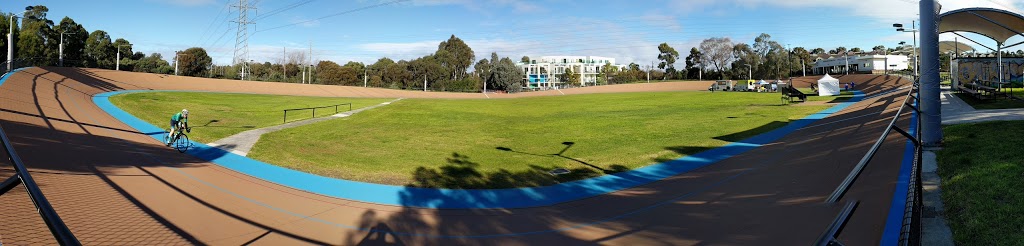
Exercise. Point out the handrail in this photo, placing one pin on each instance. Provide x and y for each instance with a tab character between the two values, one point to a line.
53	221
829	236
285	118
839	191
910	230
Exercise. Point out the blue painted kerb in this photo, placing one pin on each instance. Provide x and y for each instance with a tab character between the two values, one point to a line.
458	198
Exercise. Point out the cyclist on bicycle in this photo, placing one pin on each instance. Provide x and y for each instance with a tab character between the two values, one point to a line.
178	121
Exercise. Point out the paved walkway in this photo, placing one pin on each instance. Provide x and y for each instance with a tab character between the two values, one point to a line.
242	142
956	111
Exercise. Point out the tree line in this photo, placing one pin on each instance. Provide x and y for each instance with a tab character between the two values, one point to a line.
39	38
720	58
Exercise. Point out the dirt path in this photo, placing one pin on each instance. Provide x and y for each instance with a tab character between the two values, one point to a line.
113	185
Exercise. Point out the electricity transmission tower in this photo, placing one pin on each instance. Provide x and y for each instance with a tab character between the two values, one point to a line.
242	38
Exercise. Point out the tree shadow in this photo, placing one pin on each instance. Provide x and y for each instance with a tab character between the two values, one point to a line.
736	137
460	172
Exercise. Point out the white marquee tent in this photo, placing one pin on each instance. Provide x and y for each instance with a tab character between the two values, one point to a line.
828	86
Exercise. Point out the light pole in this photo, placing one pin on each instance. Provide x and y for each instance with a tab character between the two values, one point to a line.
61	54
913	26
10	40
116	67
176	62
748	72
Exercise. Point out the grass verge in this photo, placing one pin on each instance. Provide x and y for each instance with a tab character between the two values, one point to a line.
514	142
217	115
982	166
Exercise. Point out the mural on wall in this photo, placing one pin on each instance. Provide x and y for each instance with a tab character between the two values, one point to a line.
984	68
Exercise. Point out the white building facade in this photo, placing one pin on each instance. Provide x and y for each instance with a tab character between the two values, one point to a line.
546	72
863	63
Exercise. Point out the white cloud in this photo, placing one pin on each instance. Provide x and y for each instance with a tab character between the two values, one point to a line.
880	10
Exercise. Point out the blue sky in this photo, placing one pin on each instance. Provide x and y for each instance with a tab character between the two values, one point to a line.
630	31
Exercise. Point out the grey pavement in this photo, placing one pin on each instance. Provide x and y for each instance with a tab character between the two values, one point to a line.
956	111
934	230
242	142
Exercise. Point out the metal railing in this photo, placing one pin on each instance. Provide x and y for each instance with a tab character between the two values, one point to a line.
285	118
53	221
910	231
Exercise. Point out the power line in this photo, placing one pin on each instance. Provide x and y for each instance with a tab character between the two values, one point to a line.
336	14
227	8
282	9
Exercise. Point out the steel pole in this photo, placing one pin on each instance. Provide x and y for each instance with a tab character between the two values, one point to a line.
10	45
930	103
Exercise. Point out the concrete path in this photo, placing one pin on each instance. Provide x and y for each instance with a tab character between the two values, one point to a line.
956	111
934	229
242	142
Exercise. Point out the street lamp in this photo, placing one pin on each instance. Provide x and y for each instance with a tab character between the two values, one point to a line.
61	54
748	71
118	66
10	39
913	26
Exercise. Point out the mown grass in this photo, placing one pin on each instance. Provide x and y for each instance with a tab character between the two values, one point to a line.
217	115
514	142
982	166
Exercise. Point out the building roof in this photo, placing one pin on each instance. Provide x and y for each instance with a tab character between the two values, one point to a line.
996	24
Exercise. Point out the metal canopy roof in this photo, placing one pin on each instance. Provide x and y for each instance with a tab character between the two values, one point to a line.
996	24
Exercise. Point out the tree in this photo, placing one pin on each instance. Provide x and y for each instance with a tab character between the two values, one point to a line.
525	59
879	48
330	73
194	62
570	77
668	57
505	75
838	50
856	50
693	62
376	71
124	48
802	56
151	64
717	52
482	69
74	41
744	55
35	32
455	56
99	50
817	51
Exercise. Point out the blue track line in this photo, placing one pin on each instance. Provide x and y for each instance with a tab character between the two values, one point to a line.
463	199
897	209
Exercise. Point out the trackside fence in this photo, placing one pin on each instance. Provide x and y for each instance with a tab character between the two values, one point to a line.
284	119
910	231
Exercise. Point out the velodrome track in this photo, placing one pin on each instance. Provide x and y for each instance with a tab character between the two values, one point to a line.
114	185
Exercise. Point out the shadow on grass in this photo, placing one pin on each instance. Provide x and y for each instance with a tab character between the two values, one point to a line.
736	137
461	172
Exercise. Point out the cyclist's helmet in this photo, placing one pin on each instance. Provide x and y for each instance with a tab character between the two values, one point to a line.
184	112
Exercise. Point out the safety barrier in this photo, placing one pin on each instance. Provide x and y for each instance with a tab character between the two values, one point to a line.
285	118
910	231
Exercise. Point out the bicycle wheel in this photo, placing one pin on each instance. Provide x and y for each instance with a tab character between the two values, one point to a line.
167	137
182	143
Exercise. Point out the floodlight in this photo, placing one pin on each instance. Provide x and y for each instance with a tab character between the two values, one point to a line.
897	25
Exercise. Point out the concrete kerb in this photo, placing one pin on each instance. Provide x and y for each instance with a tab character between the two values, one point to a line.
463	199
